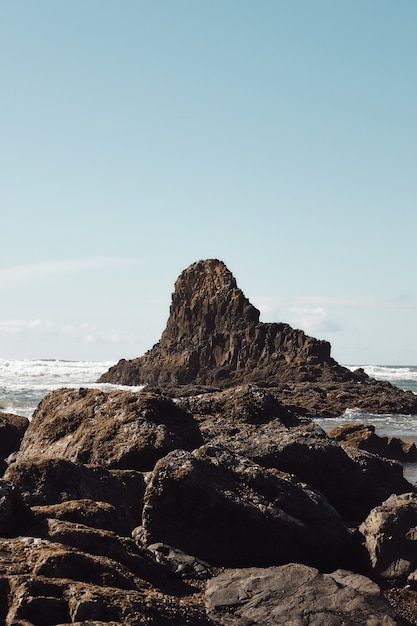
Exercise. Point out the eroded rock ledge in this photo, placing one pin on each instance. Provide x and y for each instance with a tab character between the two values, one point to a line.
214	338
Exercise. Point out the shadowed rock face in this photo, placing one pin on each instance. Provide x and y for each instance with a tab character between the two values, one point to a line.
213	336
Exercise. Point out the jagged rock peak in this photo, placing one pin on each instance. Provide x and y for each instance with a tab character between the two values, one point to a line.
206	301
213	337
211	275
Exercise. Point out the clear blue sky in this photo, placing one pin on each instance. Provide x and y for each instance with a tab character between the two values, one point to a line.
140	136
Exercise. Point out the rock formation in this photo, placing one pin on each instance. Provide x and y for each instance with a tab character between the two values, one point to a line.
171	498
214	338
364	437
307	596
172	507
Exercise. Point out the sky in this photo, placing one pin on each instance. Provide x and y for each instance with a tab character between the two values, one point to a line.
139	136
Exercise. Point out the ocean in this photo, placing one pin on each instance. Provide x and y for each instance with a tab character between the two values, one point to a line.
24	383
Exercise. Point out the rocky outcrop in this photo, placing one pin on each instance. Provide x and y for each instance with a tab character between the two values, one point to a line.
255	516
117	430
47	582
57	481
390	532
213	337
251	422
167	494
364	437
296	594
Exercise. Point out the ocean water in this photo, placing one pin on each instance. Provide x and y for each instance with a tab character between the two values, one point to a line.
23	384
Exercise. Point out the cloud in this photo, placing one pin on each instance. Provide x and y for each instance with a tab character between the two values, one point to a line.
314	320
84	333
39	271
275	305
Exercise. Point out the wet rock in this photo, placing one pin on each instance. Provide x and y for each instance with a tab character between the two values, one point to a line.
363	436
298	595
229	511
391	538
119	430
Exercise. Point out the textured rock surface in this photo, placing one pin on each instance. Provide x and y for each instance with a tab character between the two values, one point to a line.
12	429
89	544
117	430
390	532
213	337
250	421
296	595
48	583
363	436
51	481
229	511
15	515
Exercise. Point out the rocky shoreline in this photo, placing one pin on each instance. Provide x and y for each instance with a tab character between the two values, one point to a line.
218	509
210	498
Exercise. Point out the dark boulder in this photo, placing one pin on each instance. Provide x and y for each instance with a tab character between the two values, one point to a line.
12	429
229	511
15	515
251	422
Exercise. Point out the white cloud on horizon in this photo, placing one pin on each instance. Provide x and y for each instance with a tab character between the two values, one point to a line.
40	271
85	333
313	320
268	305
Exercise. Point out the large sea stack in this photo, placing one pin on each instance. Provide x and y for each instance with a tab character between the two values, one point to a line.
214	338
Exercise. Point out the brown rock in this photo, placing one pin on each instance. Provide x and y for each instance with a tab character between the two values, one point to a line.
102	515
15	515
298	595
250	421
391	538
12	429
48	583
213	337
229	511
363	436
119	429
51	481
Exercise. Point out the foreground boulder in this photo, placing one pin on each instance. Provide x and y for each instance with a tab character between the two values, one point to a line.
391	538
250	421
229	511
119	430
364	437
213	337
48	583
296	594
